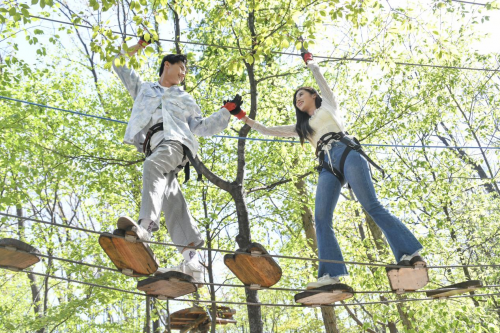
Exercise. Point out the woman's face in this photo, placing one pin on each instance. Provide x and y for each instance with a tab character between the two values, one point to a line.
305	101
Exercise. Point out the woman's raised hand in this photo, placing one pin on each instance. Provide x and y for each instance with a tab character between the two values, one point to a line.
307	56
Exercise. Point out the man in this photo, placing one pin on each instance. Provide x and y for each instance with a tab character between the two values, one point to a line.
163	123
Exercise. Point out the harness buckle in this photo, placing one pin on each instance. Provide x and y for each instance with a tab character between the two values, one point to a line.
337	136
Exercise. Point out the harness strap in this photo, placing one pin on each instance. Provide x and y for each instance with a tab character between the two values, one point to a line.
332	169
191	160
146	148
351	144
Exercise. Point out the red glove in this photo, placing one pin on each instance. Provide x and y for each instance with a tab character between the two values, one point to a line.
234	107
143	42
306	56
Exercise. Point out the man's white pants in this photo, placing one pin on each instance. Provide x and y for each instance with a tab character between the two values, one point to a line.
161	191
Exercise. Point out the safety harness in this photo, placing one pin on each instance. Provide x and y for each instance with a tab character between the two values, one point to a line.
324	144
146	148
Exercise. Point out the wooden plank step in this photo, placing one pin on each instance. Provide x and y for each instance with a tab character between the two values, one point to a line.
254	269
132	259
168	285
197	319
16	255
455	289
325	295
223	311
407	279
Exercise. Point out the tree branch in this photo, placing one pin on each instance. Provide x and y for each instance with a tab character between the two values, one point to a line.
273	185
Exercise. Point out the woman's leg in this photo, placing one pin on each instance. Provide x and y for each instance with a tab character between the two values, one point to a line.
400	238
327	195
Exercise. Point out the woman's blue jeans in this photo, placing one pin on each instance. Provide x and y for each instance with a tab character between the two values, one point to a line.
357	174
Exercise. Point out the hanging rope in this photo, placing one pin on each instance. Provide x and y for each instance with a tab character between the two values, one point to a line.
256	304
248	287
243	253
245	138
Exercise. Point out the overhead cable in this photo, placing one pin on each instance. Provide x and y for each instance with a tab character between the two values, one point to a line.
470	2
278	52
247	138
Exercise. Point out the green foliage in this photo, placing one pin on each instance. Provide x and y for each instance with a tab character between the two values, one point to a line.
74	170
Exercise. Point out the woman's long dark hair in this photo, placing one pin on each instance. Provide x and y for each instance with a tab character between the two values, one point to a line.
302	127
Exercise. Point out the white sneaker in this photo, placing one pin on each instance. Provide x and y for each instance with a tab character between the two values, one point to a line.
124	222
192	268
323	281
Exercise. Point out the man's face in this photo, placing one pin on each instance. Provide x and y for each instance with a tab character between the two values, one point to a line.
173	74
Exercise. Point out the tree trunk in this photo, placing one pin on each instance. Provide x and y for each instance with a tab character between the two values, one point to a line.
379	242
328	313
177	37
147	327
244	239
35	290
213	307
156	322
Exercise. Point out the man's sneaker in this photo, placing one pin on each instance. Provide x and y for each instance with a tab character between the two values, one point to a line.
125	222
323	281
192	268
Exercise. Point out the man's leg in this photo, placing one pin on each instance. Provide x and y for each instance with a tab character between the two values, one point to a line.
165	159
182	229
181	225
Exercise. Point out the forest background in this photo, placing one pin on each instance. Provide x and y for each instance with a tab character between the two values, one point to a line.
73	170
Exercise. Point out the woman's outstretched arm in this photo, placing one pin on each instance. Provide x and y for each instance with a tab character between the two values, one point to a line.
282	131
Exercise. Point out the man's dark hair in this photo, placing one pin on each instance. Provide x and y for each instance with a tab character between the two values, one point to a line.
173	59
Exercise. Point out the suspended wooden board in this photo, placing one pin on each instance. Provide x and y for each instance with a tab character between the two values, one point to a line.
407	278
325	295
253	269
168	285
132	259
16	255
455	289
198	319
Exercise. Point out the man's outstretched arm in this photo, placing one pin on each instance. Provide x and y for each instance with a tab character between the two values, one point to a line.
128	76
217	121
214	124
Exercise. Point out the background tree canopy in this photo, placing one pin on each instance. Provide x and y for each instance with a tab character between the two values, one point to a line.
406	77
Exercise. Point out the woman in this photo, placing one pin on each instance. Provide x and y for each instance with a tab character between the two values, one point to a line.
320	121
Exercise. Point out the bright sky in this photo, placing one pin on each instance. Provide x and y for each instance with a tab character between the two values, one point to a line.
492	28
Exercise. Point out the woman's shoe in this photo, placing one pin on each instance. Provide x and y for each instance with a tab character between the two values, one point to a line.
323	281
418	261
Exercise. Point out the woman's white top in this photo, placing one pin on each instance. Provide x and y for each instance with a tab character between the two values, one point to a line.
328	118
